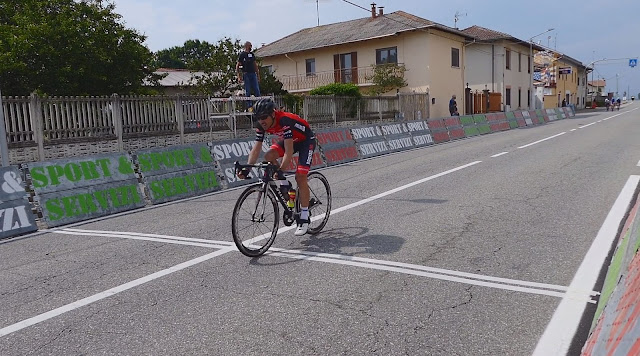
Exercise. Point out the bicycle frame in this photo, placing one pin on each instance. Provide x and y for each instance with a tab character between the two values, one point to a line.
258	207
267	182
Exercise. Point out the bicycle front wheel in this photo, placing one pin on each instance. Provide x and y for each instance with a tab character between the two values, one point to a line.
255	221
319	201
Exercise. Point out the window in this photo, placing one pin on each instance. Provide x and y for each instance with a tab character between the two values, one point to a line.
345	67
507	95
311	66
268	68
529	98
455	57
528	64
387	55
519	98
507	58
519	62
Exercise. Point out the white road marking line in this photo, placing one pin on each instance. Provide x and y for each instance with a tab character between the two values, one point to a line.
557	337
216	244
544	139
96	297
616	115
176	241
638	163
587	125
574	130
99	296
428	274
395	190
499	154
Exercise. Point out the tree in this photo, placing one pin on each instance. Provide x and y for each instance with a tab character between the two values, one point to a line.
67	47
219	67
387	77
190	55
269	84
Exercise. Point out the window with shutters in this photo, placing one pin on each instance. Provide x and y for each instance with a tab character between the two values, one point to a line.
345	68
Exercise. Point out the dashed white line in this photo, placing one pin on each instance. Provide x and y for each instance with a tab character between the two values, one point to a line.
587	125
499	154
544	139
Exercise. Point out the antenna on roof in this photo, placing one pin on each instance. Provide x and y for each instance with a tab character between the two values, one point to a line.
456	17
317	7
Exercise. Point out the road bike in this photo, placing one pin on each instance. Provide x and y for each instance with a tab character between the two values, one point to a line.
256	215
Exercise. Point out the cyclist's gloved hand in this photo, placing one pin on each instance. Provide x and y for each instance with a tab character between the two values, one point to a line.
244	173
279	175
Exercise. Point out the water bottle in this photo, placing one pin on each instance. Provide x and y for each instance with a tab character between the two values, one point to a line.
285	185
292	198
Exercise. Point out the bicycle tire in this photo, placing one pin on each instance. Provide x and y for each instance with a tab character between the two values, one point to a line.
245	207
319	190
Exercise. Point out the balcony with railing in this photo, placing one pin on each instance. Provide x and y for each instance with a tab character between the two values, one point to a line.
305	82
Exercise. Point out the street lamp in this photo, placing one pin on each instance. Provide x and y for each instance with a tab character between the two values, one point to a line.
531	96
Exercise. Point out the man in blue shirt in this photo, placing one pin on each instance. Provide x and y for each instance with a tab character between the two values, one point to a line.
250	73
453	106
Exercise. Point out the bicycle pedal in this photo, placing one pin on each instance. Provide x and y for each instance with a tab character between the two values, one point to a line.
287	219
313	202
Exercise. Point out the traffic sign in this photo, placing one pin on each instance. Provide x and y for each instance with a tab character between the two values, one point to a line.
633	62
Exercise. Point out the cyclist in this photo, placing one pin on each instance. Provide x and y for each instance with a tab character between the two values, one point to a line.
295	136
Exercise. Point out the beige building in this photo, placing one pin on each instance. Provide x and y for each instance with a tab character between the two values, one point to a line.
500	63
433	55
563	80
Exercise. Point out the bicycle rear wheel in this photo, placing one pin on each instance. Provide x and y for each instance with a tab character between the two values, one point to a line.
255	221
319	201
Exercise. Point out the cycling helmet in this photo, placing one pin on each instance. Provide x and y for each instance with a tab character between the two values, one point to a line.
263	108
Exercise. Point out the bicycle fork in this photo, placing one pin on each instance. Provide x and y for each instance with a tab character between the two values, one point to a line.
260	202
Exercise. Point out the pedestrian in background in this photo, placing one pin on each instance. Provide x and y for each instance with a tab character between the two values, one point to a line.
453	106
248	71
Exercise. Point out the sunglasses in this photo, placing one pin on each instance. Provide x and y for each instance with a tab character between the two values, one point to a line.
262	118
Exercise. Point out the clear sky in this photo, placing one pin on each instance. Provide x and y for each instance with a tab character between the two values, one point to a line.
586	30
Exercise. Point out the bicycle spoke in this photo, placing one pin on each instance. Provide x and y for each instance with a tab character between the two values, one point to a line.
255	215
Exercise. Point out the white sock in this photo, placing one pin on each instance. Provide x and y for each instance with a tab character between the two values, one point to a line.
304	213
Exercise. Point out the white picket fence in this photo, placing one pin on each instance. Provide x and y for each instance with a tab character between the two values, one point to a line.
37	121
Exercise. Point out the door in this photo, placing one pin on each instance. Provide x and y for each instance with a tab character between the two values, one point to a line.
345	68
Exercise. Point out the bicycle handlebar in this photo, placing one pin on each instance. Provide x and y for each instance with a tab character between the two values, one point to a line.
270	169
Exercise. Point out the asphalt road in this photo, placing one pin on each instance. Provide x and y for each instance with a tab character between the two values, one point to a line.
470	256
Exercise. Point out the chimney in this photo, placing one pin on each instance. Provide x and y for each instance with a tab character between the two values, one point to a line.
373	10
380	11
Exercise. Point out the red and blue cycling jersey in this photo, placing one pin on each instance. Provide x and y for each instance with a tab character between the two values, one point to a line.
287	125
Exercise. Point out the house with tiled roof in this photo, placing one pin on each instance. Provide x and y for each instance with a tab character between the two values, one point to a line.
596	88
562	79
433	55
177	81
497	62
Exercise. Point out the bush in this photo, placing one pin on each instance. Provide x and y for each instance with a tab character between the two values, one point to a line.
338	89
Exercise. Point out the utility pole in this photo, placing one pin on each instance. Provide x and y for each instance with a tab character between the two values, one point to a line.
4	149
532	103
